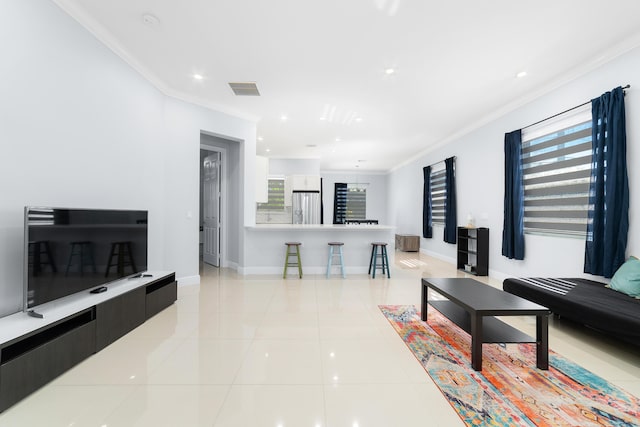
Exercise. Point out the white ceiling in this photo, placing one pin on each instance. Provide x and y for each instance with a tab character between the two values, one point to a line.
455	63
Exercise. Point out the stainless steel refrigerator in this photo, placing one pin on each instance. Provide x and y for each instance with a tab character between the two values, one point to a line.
305	206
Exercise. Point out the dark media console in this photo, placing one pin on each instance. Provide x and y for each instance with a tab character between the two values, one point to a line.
39	354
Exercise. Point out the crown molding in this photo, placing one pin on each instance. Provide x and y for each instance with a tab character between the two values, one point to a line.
575	73
105	37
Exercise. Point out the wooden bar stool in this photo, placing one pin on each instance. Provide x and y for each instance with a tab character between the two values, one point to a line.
338	246
83	251
123	255
293	249
384	260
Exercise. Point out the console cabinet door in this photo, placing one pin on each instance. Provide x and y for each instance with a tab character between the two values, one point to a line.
161	298
33	369
118	316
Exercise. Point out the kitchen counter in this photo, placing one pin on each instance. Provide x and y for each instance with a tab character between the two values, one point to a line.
322	227
265	246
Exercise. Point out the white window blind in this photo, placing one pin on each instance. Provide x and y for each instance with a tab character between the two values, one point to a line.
556	158
350	202
356	202
438	196
275	201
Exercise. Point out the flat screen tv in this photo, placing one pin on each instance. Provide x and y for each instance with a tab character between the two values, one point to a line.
73	250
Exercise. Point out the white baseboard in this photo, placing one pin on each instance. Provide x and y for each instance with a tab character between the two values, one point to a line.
495	274
230	264
439	256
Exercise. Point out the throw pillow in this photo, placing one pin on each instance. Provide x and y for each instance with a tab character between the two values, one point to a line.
627	278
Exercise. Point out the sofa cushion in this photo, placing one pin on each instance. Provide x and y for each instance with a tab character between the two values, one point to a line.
627	278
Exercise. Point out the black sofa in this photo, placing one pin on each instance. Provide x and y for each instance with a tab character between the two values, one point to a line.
584	301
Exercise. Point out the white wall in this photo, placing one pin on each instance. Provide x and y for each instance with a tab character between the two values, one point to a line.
376	193
288	167
480	177
80	128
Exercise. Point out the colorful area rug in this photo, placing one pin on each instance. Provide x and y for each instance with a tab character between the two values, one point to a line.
510	390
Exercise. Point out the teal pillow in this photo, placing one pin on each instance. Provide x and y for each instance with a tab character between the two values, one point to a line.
627	278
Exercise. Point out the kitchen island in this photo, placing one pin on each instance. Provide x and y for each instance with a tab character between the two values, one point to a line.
265	248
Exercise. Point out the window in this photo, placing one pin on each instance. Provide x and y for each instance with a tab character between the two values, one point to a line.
356	202
275	201
438	196
556	159
350	202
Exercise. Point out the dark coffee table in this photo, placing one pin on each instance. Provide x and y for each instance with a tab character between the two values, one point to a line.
472	305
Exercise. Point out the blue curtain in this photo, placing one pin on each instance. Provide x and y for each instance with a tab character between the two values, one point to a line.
513	223
427	222
609	190
450	209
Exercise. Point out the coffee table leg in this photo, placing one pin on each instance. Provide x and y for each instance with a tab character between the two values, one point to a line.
425	302
476	342
542	341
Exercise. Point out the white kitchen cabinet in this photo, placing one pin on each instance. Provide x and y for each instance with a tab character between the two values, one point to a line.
305	182
299	183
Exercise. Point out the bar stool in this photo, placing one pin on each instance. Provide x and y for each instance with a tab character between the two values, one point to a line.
123	254
84	252
39	253
289	253
338	246
384	260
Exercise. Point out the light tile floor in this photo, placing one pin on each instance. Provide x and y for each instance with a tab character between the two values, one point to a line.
262	351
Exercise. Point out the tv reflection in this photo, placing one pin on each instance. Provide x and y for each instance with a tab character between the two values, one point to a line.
70	251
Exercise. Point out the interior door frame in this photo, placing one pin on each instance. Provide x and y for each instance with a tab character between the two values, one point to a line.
222	252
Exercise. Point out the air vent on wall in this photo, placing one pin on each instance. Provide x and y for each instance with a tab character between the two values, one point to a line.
245	89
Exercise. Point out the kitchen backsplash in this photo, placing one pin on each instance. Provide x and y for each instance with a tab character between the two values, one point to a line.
274	217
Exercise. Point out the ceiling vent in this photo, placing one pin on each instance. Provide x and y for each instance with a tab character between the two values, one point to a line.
244	89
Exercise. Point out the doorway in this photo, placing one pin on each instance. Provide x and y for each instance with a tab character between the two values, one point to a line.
210	207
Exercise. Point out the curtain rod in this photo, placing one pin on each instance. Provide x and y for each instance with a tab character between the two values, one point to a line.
441	161
565	111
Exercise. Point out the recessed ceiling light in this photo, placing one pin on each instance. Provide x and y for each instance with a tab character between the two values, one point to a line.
267	150
521	74
260	138
198	76
284	118
389	71
358	119
323	118
338	140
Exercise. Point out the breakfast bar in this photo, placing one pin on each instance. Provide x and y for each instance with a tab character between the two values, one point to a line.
265	248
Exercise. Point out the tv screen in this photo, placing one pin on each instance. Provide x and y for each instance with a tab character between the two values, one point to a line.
72	250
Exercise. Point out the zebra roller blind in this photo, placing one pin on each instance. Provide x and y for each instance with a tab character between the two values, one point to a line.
438	196
276	196
349	203
556	159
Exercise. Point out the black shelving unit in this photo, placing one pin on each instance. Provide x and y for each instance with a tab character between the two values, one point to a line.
473	249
